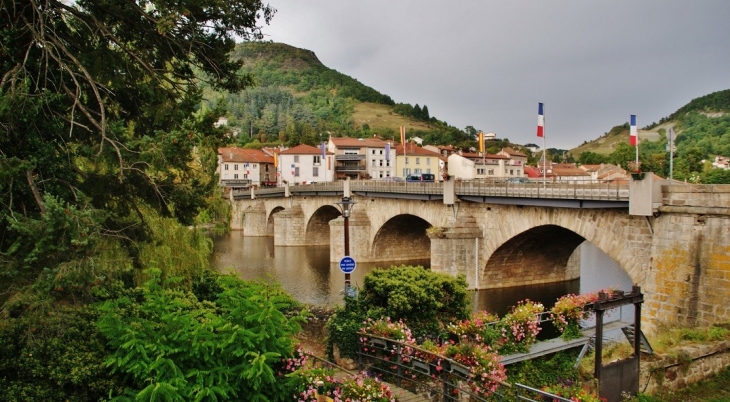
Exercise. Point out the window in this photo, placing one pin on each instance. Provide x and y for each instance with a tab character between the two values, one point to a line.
226	166
418	161
235	176
351	152
296	171
315	171
296	158
372	163
267	169
235	166
406	160
387	163
373	152
480	171
491	172
317	159
245	176
381	152
511	172
428	161
381	162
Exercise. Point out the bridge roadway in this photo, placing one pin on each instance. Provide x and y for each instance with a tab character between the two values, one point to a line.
565	195
500	235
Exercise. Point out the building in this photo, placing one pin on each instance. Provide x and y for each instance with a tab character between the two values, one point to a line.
605	172
304	164
239	169
415	160
569	173
362	158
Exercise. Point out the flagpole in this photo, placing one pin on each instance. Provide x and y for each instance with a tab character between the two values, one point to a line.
541	133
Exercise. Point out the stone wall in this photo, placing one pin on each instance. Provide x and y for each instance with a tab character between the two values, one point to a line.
692	364
690	267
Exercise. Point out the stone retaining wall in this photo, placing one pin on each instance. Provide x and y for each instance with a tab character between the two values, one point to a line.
692	364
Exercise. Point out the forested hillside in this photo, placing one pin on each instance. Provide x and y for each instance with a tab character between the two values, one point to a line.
702	131
297	99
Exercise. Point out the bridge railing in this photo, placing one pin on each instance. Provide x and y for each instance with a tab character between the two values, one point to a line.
534	189
583	190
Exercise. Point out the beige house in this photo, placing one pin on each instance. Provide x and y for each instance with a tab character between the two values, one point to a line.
415	160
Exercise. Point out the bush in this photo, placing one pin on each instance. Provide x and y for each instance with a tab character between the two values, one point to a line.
55	357
175	347
425	301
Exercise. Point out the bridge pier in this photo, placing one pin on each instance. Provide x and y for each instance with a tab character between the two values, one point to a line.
252	220
290	228
455	249
359	237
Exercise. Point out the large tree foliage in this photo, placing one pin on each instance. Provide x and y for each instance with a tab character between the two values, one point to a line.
96	117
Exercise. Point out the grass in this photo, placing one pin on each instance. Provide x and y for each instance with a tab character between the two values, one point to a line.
666	343
605	144
714	389
380	117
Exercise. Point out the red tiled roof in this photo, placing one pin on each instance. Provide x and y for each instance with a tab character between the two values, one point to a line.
413	149
513	152
474	155
244	155
303	149
347	142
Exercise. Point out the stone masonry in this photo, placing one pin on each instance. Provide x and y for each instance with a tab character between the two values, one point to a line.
680	255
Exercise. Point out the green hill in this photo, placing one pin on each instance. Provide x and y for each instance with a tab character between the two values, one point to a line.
296	99
702	131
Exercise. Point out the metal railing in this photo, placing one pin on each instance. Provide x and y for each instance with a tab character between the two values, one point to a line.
577	190
435	376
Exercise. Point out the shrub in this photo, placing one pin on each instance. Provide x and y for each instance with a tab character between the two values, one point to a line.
55	357
175	347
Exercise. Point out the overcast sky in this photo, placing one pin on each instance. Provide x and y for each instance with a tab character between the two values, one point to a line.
487	63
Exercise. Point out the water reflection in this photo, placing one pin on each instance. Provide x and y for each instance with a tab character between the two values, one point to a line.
307	274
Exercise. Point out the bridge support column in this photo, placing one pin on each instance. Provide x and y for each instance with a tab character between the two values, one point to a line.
455	249
359	232
289	227
238	215
253	220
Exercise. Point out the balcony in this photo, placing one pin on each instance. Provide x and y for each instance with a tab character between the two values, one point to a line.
350	168
350	157
235	183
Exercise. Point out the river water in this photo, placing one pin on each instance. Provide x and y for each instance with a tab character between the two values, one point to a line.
307	274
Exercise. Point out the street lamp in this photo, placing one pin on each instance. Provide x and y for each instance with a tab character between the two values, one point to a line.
345	207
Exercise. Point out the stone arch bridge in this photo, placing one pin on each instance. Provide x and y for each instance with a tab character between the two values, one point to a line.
679	252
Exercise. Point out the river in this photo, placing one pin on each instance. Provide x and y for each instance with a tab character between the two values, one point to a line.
307	274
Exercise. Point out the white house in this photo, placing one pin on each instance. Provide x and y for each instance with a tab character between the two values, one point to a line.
305	164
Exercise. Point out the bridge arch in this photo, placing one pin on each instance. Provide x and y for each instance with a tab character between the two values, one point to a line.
401	238
551	235
318	226
270	219
537	255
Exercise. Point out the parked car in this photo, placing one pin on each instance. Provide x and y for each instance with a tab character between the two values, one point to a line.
423	177
393	179
517	180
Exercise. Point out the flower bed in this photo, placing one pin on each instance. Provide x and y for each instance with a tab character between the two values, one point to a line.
568	311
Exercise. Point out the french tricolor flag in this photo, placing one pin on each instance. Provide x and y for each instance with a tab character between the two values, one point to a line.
634	134
540	121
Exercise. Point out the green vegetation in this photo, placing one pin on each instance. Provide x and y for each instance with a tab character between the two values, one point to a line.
702	131
425	301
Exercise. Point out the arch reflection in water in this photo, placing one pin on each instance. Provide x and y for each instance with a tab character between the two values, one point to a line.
307	274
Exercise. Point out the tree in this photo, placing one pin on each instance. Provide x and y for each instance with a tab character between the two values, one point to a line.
97	103
591	158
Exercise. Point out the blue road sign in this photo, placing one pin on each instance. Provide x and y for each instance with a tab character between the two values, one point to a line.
347	264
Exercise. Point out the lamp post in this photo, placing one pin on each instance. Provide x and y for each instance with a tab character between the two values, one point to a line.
346	209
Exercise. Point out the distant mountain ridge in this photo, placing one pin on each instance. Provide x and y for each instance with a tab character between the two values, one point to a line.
297	99
714	105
